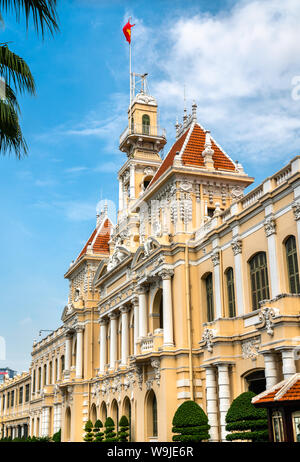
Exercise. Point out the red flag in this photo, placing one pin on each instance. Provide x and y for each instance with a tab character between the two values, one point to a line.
127	31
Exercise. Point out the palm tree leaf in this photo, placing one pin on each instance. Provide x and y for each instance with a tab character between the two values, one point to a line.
43	13
11	137
14	69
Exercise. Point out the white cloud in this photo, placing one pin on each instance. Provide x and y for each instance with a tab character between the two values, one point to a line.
238	66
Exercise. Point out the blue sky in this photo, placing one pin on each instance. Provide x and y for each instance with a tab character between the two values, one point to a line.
237	59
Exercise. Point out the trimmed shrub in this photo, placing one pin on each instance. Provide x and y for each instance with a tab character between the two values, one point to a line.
57	436
191	422
110	434
97	431
245	421
123	433
88	428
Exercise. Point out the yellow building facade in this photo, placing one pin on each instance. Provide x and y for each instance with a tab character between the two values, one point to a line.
192	294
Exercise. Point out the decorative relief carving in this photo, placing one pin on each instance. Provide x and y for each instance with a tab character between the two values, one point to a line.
236	246
216	258
296	210
250	348
270	226
155	363
266	316
207	338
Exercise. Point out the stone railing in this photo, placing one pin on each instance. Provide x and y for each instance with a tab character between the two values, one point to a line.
283	175
146	344
146	130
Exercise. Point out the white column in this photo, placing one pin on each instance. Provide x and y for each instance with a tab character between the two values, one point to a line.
270	230
166	276
113	339
125	336
238	275
132	181
212	403
141	290
79	355
56	417
103	335
54	372
271	373
68	352
224	396
45	421
217	285
288	363
135	302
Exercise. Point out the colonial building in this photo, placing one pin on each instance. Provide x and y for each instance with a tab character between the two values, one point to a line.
192	294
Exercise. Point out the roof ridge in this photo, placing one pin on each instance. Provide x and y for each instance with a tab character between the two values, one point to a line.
100	227
267	392
191	128
289	383
221	149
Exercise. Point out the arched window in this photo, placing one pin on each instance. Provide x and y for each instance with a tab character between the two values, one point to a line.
93	414
151	412
50	372
45	374
230	292
209	297
40	379
259	279
127	412
103	412
146	124
62	364
132	125
161	312
115	414
256	381
68	425
292	265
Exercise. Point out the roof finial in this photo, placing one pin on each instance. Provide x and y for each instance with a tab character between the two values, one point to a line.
208	152
194	111
177	126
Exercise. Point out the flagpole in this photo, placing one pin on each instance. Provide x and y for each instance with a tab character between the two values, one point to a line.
130	83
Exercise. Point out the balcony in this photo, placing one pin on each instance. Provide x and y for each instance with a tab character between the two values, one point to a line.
143	130
151	343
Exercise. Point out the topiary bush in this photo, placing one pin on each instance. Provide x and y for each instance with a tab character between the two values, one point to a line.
57	436
110	434
246	422
97	431
88	428
191	422
123	433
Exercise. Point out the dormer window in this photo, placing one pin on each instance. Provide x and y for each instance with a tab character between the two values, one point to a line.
146	124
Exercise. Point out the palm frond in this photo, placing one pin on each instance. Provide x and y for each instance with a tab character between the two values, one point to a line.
14	69
11	137
43	13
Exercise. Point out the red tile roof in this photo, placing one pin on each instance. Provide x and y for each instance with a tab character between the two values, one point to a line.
99	239
287	390
192	152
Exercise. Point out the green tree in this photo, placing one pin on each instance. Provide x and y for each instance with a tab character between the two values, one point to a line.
190	423
16	73
98	434
123	433
110	434
246	422
88	428
57	436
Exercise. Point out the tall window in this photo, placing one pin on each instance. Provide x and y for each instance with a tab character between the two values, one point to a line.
50	372
154	415
62	364
27	389
146	124
45	374
40	379
20	395
230	292
12	398
292	265
209	297
277	426
33	384
259	279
